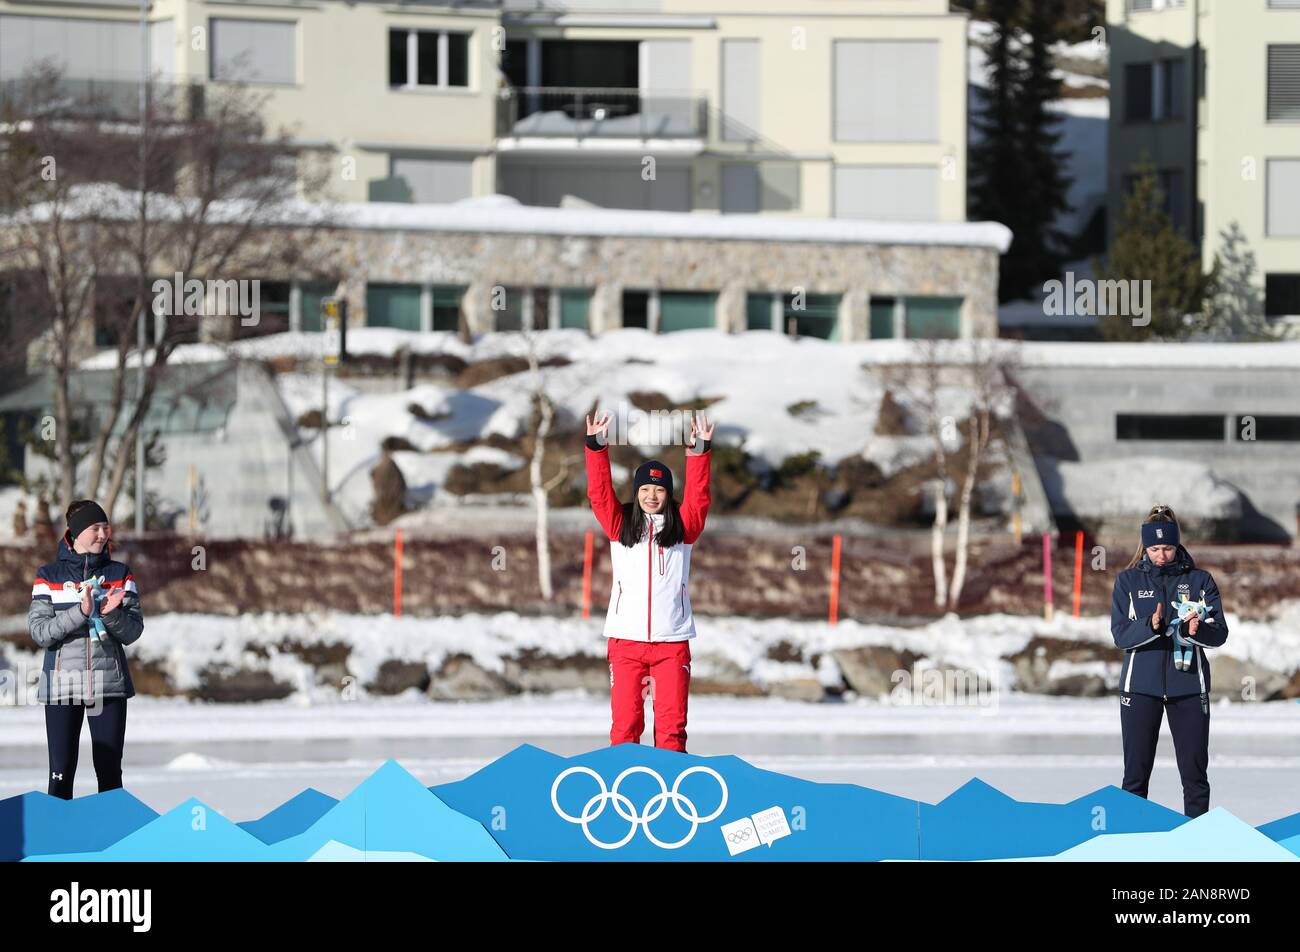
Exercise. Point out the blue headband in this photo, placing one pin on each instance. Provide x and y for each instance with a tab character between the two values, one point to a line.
1159	533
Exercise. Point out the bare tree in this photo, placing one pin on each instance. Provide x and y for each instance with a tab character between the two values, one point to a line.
942	373
195	189
543	417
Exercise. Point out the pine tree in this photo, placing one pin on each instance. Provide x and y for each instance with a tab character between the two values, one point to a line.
1235	310
1016	172
1046	184
994	162
1147	247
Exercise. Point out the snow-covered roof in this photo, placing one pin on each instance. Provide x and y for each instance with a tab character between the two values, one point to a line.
501	214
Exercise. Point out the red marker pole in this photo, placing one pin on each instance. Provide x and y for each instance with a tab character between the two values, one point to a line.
586	575
835	581
1047	576
1078	570
397	574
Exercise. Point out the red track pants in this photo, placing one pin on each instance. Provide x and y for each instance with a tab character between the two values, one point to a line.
660	670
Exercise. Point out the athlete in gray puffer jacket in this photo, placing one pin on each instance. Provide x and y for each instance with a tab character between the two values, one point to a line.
85	668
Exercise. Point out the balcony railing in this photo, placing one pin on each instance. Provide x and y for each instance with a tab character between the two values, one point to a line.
611	113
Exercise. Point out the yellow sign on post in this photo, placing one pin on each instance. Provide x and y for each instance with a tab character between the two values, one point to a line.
333	313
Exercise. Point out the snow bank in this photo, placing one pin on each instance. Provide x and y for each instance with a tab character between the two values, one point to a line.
1122	487
184	644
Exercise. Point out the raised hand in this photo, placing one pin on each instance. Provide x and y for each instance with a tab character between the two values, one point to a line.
1157	615
600	424
700	427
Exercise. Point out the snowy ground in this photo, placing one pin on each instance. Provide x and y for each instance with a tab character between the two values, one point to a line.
182	644
244	760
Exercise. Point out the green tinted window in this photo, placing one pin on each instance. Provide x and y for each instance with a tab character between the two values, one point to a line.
393	305
685	310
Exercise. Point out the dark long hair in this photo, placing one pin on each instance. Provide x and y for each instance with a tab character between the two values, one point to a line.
635	519
1157	514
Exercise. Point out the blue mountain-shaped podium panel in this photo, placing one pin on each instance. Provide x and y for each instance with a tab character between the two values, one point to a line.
633	802
390	811
291	817
1283	829
336	852
978	821
35	823
190	831
512	798
1217	836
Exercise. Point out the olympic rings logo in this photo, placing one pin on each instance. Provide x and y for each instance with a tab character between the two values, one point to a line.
653	809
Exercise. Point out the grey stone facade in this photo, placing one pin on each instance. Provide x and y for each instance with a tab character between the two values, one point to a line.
607	265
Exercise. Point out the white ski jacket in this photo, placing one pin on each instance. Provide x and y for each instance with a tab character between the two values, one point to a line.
649	599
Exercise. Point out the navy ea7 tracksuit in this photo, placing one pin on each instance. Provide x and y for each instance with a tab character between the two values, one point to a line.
1151	687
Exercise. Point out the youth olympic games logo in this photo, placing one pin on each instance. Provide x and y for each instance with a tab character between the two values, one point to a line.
653	809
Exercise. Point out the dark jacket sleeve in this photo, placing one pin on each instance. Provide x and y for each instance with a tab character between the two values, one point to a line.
1127	630
1212	632
126	622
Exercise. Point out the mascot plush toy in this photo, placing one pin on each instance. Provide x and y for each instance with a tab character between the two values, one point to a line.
95	584
1185	611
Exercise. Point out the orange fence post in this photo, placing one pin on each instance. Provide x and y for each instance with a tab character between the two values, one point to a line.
1078	570
586	575
835	580
397	574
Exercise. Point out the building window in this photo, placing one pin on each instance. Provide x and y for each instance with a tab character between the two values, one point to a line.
1142	6
812	315
882	316
1282	295
740	90
1171	89
931	318
1282	188
446	308
1155	91
758	312
393	305
686	310
312	302
886	91
1170	426
253	51
432	181
575	308
887	192
272	311
433	59
1138	91
740	189
636	309
1284	83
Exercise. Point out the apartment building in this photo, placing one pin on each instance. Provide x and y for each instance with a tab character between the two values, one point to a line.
792	110
1209	90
